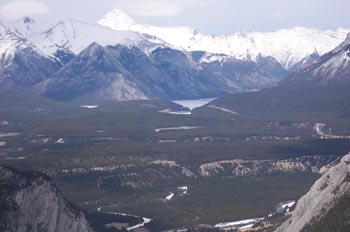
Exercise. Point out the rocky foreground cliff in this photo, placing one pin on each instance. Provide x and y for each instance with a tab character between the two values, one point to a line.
322	201
30	202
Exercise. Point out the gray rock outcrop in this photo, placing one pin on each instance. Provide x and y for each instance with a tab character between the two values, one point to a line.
30	202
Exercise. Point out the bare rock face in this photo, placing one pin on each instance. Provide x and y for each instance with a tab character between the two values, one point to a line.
30	202
322	197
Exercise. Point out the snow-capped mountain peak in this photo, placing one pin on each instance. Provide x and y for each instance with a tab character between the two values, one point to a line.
175	36
118	20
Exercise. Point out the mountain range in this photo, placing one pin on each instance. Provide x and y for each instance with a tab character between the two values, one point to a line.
319	88
118	58
289	47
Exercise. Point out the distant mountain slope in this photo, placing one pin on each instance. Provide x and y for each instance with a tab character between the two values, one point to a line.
321	87
122	73
288	47
30	202
117	72
242	75
96	71
324	196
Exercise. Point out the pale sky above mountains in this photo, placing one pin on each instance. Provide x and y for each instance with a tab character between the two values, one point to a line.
208	16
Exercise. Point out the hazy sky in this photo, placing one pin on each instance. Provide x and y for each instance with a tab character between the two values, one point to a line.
209	16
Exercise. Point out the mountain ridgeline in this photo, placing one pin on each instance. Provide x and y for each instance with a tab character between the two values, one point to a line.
120	59
291	47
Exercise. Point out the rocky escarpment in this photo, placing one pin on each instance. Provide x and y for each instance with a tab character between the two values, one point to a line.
30	202
237	167
132	174
323	196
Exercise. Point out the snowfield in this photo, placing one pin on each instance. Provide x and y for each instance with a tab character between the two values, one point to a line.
184	189
11	134
177	128
168	111
223	109
238	223
289	204
89	106
170	196
142	224
60	141
145	221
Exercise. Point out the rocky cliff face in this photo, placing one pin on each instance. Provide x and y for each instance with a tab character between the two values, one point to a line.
30	202
322	197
